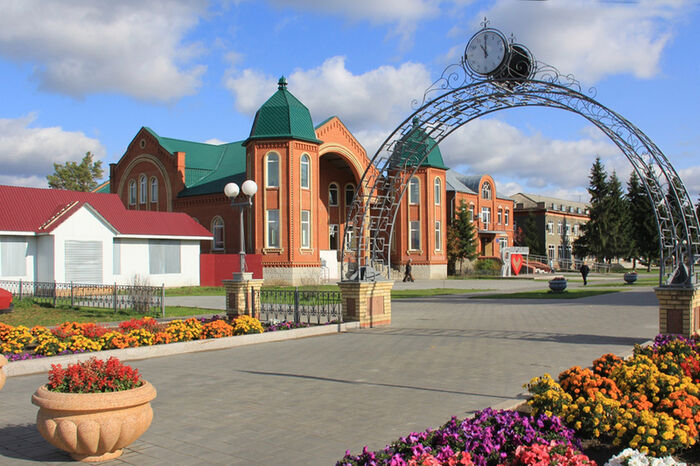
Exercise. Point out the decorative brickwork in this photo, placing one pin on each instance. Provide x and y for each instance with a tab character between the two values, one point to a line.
679	310
367	302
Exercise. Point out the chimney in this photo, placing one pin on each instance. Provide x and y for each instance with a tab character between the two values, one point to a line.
180	161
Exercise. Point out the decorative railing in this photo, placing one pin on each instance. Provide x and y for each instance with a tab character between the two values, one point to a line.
142	299
300	306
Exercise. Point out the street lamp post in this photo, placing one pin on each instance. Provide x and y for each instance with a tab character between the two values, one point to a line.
231	190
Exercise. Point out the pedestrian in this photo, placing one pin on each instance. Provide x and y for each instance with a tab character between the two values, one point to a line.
407	276
584	273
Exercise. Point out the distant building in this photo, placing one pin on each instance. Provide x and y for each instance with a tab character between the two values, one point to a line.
558	221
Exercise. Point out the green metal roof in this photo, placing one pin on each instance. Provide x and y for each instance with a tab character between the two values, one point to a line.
103	188
283	116
414	146
208	167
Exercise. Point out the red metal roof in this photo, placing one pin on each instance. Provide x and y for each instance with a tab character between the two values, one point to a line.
41	210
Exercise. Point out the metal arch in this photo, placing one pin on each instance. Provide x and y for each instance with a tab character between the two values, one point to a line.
385	181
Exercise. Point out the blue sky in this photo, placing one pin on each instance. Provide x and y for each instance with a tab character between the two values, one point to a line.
80	75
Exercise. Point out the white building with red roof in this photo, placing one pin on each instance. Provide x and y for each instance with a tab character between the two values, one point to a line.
51	235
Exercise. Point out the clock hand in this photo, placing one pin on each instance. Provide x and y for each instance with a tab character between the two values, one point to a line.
486	54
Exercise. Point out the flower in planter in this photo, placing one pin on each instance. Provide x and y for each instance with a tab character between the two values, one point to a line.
93	376
634	457
243	325
216	329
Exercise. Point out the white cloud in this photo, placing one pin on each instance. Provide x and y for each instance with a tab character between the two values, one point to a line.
591	39
371	102
27	154
215	141
82	47
691	180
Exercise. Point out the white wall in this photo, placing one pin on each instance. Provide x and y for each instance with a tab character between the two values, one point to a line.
83	225
135	261
44	259
29	259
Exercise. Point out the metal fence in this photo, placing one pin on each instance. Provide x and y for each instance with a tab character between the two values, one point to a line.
143	299
309	306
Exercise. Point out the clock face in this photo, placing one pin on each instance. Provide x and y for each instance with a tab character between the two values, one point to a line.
486	52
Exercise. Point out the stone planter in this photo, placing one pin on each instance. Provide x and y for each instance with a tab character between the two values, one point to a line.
630	278
557	285
94	426
3	362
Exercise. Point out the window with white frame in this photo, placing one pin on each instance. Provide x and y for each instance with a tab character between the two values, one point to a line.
559	228
273	228
500	216
306	229
507	218
575	229
143	193
414	240
349	194
568	229
132	192
486	190
217	228
414	191
13	256
550	251
333	194
472	212
305	172
502	243
438	236
272	167
438	191
333	230
163	256
154	189
550	228
486	216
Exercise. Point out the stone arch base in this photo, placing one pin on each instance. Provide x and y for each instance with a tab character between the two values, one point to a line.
679	310
367	302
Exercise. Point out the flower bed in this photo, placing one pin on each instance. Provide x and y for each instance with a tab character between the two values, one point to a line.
646	407
21	343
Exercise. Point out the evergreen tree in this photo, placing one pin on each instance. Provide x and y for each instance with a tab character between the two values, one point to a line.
527	235
642	221
76	177
617	220
461	243
594	240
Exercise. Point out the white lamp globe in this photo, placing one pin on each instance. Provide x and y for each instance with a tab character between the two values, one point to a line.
231	190
249	188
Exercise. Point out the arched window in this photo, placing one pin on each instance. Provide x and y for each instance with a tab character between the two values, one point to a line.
272	167
143	193
132	192
438	190
154	190
349	194
486	190
333	194
305	180
217	228
414	191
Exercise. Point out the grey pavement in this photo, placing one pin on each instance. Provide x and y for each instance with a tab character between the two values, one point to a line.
305	401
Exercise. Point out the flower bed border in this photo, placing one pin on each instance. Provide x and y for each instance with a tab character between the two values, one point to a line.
41	365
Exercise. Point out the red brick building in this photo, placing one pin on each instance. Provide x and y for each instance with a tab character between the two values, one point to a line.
307	177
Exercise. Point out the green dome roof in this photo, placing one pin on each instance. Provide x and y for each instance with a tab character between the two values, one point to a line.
413	147
283	116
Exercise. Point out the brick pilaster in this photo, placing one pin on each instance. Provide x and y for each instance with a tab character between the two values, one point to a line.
367	302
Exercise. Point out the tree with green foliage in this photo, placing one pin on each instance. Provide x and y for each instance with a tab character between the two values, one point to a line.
617	215
76	177
642	226
461	243
594	240
526	234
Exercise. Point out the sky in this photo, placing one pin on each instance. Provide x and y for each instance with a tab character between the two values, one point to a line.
85	75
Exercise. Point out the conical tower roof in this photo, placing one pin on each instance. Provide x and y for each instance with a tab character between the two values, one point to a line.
283	116
413	147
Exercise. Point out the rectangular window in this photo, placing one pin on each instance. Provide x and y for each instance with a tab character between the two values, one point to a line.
116	256
273	228
550	228
438	236
559	229
154	190
472	216
132	193
486	216
306	229
415	236
333	237
507	216
163	256
550	251
13	257
575	229
414	191
568	229
500	216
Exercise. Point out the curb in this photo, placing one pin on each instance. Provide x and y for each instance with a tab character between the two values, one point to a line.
42	365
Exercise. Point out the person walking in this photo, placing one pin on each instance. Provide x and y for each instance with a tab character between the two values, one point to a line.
584	273
407	276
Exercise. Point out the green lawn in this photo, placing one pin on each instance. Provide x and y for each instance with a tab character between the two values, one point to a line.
29	315
574	293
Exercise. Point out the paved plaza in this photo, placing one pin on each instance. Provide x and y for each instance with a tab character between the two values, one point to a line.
305	401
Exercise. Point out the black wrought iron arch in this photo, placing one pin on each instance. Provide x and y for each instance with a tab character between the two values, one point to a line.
372	216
